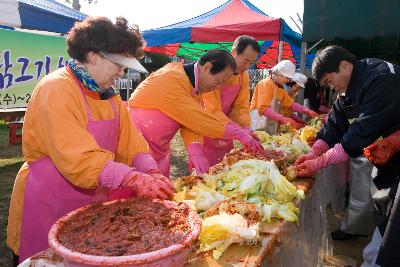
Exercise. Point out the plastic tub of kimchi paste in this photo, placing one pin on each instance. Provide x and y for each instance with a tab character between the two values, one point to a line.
132	232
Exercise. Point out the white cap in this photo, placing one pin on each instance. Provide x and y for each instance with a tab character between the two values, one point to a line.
129	62
300	79
285	68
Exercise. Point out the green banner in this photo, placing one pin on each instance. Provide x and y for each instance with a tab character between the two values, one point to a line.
24	59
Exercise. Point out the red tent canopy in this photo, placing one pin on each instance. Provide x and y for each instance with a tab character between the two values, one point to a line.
219	27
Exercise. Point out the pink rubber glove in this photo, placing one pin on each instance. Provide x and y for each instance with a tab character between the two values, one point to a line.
197	158
113	173
250	132
117	175
297	119
144	162
319	147
292	122
299	108
158	175
334	155
148	185
311	141
234	131
273	115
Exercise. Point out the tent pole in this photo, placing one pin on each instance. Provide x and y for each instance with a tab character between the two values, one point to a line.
303	61
301	21
76	5
280	51
303	58
317	43
295	23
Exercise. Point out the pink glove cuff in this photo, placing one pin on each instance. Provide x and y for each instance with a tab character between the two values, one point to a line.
273	115
144	162
195	149
319	147
232	130
113	173
334	155
298	108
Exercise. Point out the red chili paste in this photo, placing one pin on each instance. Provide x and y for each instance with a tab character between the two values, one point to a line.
128	227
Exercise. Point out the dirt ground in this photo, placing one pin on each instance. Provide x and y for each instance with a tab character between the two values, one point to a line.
11	160
350	248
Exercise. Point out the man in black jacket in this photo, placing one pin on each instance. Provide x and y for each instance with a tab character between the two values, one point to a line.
367	108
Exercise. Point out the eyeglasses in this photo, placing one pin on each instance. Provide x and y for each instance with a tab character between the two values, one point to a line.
120	66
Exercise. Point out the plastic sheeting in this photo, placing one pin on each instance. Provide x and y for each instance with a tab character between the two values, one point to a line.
359	217
309	243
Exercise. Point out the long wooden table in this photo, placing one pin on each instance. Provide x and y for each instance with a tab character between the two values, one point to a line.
304	244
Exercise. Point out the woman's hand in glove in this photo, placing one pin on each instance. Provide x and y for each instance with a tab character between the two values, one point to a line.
153	185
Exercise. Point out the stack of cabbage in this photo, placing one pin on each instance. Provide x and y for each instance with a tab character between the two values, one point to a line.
251	181
289	143
248	181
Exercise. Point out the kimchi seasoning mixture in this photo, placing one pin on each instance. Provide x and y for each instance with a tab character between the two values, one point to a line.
127	227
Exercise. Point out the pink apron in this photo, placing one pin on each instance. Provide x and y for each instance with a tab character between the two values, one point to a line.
215	148
48	195
158	129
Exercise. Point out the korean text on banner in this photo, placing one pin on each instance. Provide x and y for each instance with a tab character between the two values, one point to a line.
24	59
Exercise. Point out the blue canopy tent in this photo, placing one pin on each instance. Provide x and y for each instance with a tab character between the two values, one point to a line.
43	15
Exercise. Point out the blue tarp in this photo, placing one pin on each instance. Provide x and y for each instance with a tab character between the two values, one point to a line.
44	15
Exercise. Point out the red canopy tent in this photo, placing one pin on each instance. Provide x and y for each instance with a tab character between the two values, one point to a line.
219	27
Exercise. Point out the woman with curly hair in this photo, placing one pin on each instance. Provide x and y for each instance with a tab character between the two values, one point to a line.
78	141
